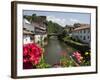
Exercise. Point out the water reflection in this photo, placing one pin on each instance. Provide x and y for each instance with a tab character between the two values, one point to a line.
54	50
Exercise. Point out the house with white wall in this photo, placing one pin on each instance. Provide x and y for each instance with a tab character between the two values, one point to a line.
28	32
40	29
82	33
35	31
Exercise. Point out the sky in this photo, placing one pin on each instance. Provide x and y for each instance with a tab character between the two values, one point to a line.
62	18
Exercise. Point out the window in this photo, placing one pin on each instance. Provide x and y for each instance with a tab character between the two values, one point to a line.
84	38
77	37
88	37
80	36
24	28
88	31
31	38
84	31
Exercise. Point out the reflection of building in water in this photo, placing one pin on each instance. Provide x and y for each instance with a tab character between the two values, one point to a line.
35	31
82	33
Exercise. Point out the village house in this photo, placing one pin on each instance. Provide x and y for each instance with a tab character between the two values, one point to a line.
69	29
28	32
40	29
36	31
82	33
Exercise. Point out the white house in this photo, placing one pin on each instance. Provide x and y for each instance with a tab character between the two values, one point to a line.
40	29
28	32
35	32
83	33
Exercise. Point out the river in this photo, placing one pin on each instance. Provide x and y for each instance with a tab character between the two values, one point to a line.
54	50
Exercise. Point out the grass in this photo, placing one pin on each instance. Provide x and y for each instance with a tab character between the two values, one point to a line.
69	39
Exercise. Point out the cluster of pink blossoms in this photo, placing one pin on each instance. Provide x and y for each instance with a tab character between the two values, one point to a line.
32	53
77	55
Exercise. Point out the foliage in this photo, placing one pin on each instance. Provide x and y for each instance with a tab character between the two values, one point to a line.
76	59
82	60
29	18
65	62
32	18
77	25
54	27
43	64
86	60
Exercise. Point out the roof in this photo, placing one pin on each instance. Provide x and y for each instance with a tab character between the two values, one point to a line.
28	25
27	32
33	28
82	28
26	21
36	25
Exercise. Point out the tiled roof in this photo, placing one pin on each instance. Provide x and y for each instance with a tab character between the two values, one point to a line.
81	28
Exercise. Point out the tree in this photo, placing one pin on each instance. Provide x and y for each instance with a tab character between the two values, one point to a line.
34	17
54	27
77	25
27	17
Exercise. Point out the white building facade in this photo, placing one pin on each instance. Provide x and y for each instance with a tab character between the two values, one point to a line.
28	32
34	32
82	33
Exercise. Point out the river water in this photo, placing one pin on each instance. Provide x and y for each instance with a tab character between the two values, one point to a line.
54	50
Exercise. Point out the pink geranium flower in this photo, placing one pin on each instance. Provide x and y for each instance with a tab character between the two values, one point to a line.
77	55
32	53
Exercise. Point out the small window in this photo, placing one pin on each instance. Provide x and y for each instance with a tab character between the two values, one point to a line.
84	31
80	36
31	38
88	37
84	38
76	36
24	28
88	31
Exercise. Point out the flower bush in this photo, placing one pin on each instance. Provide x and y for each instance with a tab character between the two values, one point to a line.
87	59
82	60
33	57
65	61
77	56
31	53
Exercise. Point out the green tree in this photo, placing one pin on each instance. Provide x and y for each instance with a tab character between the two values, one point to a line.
54	27
34	17
77	25
29	18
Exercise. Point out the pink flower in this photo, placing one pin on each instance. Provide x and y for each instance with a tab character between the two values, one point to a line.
31	53
77	55
25	51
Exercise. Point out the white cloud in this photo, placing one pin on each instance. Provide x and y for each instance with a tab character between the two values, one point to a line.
57	20
62	21
73	20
